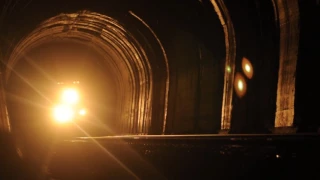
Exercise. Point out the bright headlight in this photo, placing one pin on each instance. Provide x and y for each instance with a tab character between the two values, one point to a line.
63	113
82	112
70	96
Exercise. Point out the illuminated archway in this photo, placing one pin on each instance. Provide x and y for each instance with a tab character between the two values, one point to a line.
129	59
230	42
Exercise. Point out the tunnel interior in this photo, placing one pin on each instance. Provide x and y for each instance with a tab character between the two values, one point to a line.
154	68
166	74
257	41
171	81
122	67
36	83
140	76
306	98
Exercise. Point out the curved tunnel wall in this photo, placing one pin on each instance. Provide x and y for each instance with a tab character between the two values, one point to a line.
257	33
129	60
230	43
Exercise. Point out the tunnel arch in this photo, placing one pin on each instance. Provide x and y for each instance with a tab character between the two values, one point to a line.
139	63
230	44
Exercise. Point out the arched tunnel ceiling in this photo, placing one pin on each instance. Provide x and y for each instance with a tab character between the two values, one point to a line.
97	29
74	26
125	56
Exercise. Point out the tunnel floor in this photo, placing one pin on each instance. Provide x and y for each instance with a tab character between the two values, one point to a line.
186	157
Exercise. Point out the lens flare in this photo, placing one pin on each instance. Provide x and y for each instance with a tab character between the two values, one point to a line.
82	112
63	113
247	68
70	96
228	69
240	85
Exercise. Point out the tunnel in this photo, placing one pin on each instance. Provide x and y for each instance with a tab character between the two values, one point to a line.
164	74
141	68
141	77
90	47
143	72
135	75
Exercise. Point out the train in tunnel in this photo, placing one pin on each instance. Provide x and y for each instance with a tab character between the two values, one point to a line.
140	77
96	69
158	72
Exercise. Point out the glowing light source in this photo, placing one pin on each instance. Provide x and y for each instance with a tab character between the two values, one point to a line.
82	112
240	85
63	113
247	68
70	96
67	109
228	68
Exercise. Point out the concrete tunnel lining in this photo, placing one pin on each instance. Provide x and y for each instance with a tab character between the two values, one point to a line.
130	61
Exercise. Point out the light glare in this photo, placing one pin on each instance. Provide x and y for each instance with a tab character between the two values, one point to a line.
70	96
240	85
82	112
247	67
228	69
63	113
